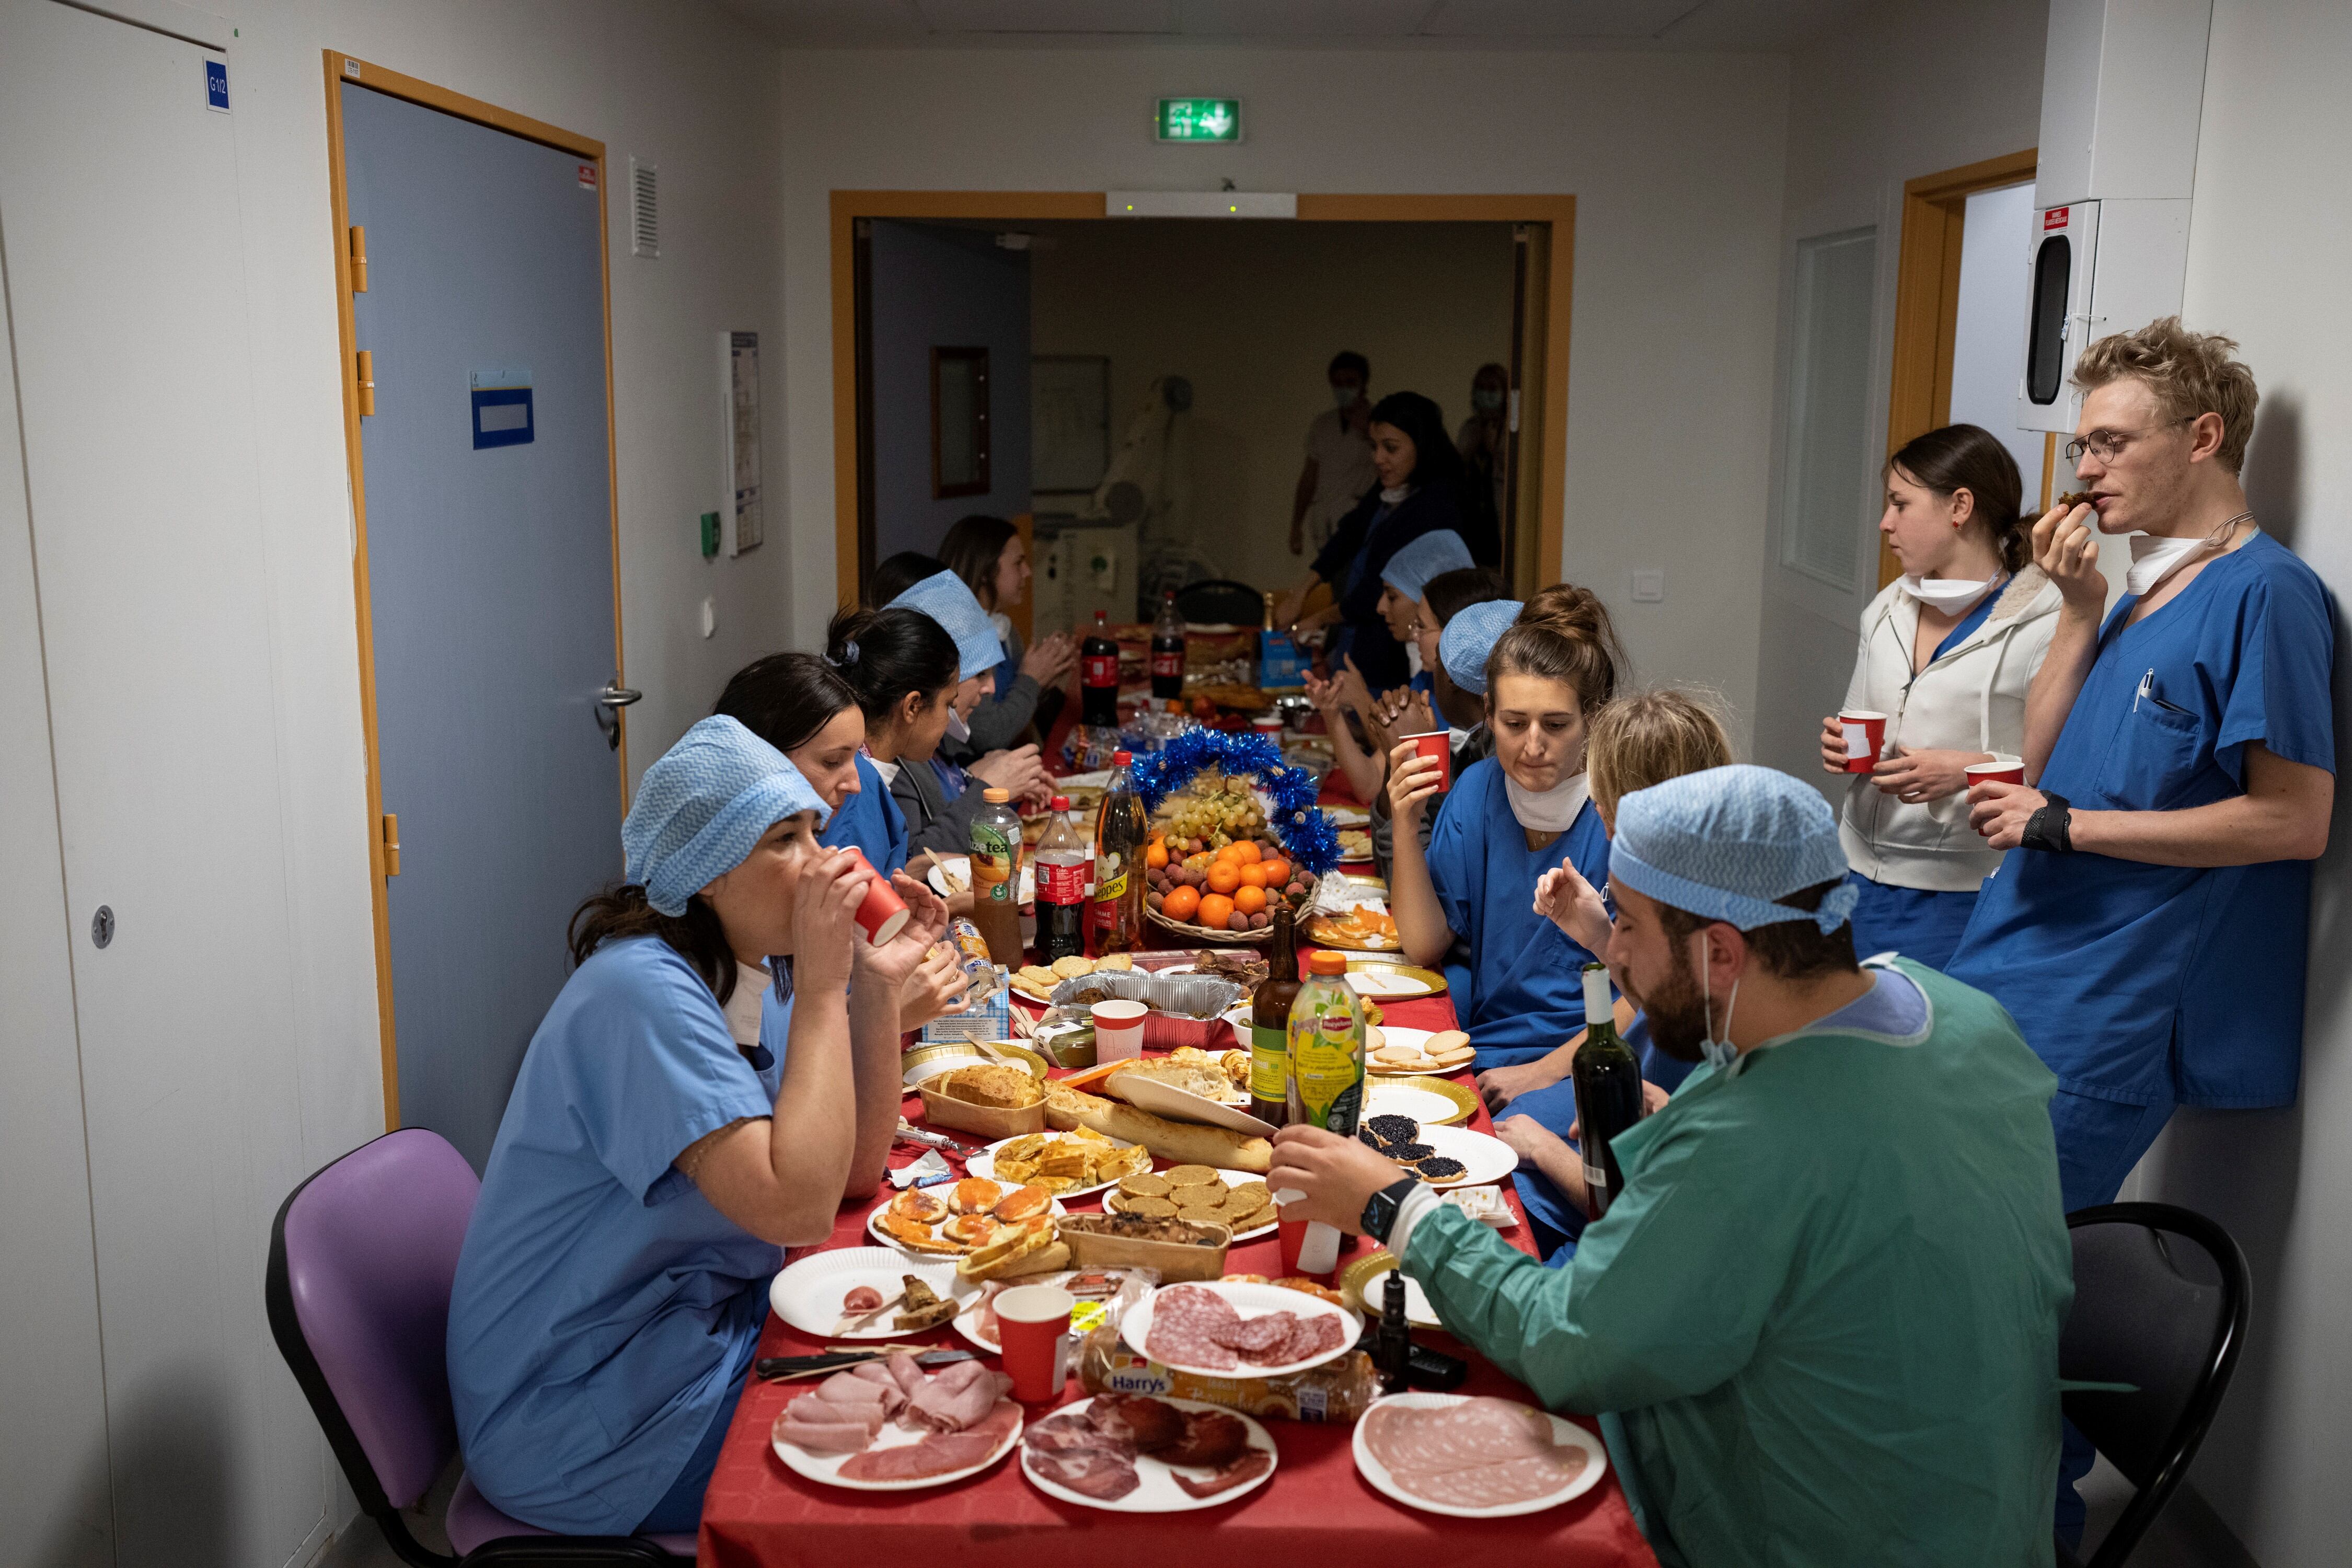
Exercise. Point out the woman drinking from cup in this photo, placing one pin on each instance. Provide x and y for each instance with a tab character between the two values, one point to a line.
1948	652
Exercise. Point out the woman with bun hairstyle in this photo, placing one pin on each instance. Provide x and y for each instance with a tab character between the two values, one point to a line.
1948	652
1467	900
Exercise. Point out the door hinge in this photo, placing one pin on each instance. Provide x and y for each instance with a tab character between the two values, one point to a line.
390	828
359	259
366	376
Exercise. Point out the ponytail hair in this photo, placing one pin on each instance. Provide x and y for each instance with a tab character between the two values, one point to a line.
882	655
785	699
1564	633
1967	457
695	936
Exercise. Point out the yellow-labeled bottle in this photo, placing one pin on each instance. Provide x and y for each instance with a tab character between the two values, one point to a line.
1326	1049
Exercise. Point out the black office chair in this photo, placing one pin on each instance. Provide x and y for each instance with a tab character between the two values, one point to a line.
1215	600
2161	1300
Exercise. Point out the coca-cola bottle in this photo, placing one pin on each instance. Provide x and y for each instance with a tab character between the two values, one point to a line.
1168	650
1098	676
1060	860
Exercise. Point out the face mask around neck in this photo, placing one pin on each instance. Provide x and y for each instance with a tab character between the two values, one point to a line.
2153	559
1551	810
958	731
1715	1049
1948	595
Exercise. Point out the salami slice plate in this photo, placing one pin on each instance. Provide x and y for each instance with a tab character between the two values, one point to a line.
1324	1332
1156	1491
1565	1434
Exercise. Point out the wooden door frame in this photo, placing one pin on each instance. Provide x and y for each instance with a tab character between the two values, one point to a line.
1556	212
1927	306
340	68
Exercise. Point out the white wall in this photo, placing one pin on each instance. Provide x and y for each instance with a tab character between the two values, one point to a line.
1899	91
1989	340
1675	161
2266	243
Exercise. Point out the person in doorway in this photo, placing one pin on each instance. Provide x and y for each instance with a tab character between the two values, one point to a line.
648	1170
1468	901
1484	443
960	759
1822	1320
991	559
1948	650
1420	492
799	704
1339	456
2150	935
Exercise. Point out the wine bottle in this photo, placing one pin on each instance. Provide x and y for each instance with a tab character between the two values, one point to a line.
1608	1092
1269	1083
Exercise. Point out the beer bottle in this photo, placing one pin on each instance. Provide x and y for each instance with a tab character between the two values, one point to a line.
1269	1046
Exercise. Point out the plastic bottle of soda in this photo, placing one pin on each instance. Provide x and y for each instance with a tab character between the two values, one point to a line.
996	877
1061	862
1121	835
1098	676
1168	650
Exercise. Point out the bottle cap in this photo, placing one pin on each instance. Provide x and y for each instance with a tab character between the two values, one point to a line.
1120	758
1327	961
995	796
1061	802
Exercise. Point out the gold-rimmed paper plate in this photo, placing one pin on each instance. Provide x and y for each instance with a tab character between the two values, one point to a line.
1411	1095
1389	978
925	1060
1364	1274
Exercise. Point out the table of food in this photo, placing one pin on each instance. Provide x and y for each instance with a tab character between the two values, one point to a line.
1068	1307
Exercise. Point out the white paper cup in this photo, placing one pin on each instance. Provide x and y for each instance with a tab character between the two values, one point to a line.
1118	1030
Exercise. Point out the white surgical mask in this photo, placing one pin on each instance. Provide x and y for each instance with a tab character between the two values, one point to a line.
1951	595
1551	810
1485	399
1395	497
1717	1049
1345	397
1412	657
958	731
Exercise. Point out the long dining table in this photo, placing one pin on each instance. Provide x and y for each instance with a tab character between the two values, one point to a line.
1315	1511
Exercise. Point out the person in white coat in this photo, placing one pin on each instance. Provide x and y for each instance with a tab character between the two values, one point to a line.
1948	652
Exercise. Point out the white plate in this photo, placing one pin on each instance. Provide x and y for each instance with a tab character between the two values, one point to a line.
1353	816
808	1294
826	1468
1489	1159
1386	1098
1417	1310
1250	1300
874	1228
984	1164
1385	983
1563	1431
1163	1098
1156	1489
1230	1179
962	866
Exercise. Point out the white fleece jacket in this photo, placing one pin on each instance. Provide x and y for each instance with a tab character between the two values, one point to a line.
1970	700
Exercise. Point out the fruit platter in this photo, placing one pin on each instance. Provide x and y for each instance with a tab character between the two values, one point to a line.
1215	871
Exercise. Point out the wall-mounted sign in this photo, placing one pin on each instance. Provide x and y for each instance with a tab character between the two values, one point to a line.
1198	119
502	410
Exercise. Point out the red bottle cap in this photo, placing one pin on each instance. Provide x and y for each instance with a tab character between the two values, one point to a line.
1061	802
1120	758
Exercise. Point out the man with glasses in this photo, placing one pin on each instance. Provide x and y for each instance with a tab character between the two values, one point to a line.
2149	939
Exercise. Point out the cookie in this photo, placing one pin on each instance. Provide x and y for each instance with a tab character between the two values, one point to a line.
1143	1184
1073	967
1190	1175
1246	1193
1152	1208
1446	1040
1261	1214
1116	960
1397	1056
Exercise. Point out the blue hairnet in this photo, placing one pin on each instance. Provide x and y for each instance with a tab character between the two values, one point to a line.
1470	636
1727	844
1411	568
944	597
702	806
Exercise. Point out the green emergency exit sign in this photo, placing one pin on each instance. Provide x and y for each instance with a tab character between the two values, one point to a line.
1199	119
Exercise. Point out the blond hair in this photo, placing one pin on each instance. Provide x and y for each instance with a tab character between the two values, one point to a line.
1649	738
2188	373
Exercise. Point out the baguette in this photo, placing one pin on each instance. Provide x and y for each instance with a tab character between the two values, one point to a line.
1184	1142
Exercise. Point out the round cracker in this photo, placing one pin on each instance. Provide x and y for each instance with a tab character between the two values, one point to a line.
1247	1192
1073	967
1446	1040
1197	1202
1143	1184
1150	1208
1190	1175
1261	1214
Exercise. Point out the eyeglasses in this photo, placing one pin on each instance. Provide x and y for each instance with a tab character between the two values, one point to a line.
2108	445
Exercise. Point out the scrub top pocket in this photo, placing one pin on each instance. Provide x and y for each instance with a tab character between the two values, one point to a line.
2157	751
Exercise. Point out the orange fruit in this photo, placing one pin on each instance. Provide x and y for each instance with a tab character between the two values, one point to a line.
1248	900
1246	851
1230	854
1157	856
1253	877
1215	911
1278	873
1224	876
1181	903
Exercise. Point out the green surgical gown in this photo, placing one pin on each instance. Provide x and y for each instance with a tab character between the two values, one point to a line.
1825	1312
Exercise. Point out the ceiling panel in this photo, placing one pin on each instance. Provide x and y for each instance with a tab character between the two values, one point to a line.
1338	20
1556	18
1093	16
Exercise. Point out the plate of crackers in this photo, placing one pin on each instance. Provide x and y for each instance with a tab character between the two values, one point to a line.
955	1219
1036	980
1404	1052
1355	847
1065	1164
1202	1194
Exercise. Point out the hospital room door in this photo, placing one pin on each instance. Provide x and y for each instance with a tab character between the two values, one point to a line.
484	484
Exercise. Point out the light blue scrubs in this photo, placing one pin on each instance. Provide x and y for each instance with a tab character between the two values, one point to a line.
604	1312
1518	982
871	820
1557	1222
2144	986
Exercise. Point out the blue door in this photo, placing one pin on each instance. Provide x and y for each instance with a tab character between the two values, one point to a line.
491	587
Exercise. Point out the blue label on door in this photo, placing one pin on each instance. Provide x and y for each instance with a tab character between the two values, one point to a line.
216	85
502	416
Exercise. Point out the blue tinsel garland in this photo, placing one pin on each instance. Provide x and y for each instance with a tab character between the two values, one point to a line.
1305	833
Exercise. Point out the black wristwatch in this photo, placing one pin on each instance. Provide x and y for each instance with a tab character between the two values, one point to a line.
2051	827
1380	1208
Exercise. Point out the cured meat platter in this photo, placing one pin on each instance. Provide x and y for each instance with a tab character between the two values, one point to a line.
1475	1457
1137	1454
1221	1328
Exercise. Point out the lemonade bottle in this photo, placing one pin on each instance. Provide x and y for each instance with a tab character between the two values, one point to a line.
1327	1048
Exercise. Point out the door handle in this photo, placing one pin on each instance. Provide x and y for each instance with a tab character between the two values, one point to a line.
609	703
615	695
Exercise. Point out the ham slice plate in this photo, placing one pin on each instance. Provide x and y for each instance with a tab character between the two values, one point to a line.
1473	1456
903	1460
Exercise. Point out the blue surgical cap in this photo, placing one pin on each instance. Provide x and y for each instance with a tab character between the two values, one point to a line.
1728	844
944	597
702	806
1470	636
1411	568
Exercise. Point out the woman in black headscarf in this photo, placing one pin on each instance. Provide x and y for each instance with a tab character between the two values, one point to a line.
1420	491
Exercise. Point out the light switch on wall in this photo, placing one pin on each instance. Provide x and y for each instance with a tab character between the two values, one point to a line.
710	616
1649	586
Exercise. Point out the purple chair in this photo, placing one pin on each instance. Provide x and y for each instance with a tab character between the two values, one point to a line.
362	1260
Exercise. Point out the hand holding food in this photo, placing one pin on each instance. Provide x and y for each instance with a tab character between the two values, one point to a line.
2066	549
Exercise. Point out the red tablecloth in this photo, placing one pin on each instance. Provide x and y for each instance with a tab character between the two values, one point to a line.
1315	1511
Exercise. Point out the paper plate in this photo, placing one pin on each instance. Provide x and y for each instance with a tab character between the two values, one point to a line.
826	1468
874	1228
1386	980
1563	1431
1110	1201
984	1164
1251	1300
808	1294
1156	1489
1431	1101
1364	1281
961	865
1163	1099
1355	816
1488	1159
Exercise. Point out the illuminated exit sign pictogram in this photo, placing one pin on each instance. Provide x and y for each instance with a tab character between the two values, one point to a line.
1199	119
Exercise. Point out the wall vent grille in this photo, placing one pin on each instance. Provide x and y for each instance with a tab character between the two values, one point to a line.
644	209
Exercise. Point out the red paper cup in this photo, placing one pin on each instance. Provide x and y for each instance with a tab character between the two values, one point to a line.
1293	1235
1118	1030
1865	737
884	911
2001	770
1033	1322
1438	747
